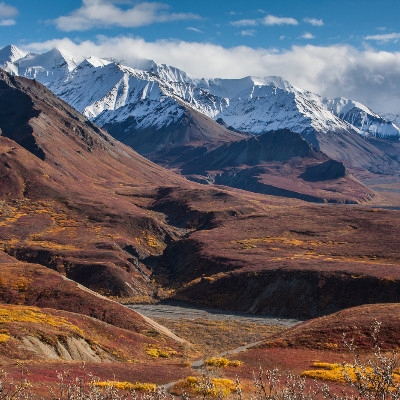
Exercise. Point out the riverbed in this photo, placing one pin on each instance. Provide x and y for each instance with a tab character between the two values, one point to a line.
189	312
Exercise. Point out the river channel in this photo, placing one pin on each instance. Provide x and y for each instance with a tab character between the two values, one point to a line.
184	311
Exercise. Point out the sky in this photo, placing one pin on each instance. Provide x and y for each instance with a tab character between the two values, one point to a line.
348	48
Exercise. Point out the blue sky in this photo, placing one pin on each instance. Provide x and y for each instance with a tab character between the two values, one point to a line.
342	47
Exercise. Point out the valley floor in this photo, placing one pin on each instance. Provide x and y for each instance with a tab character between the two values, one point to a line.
210	331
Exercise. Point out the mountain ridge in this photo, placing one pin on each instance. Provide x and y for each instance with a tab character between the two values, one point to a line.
196	92
144	103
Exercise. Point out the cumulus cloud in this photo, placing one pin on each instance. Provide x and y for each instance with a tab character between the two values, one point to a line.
369	76
6	14
103	13
313	21
386	37
273	20
268	20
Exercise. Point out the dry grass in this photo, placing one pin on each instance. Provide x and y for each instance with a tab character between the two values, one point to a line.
213	337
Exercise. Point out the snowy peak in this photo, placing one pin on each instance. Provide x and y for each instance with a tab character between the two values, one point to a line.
152	95
11	54
96	62
392	118
357	114
48	66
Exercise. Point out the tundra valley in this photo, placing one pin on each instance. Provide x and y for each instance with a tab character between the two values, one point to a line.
172	235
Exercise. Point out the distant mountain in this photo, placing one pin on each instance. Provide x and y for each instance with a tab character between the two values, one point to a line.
8	56
154	108
280	163
392	118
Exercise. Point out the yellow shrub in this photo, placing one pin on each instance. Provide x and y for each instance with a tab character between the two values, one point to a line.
221	387
148	387
4	337
152	241
331	345
222	362
335	372
16	282
34	315
157	352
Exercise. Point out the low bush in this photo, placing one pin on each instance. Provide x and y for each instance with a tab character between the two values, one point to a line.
221	362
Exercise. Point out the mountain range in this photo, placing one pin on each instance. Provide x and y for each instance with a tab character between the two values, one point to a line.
86	223
174	119
77	201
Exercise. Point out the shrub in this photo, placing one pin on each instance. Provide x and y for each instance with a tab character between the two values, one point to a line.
221	362
209	387
163	353
147	387
377	378
4	337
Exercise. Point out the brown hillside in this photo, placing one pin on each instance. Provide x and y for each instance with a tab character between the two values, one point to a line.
300	261
73	197
35	285
100	214
326	332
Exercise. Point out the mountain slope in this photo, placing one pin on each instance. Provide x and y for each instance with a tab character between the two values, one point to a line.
67	186
279	163
95	211
155	100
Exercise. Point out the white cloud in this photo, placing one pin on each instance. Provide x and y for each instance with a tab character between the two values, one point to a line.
245	22
103	13
248	32
369	76
273	20
268	20
191	28
7	22
307	35
7	11
385	37
314	21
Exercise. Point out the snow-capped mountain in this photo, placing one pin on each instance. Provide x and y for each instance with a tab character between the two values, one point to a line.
155	108
8	56
108	93
392	118
47	67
